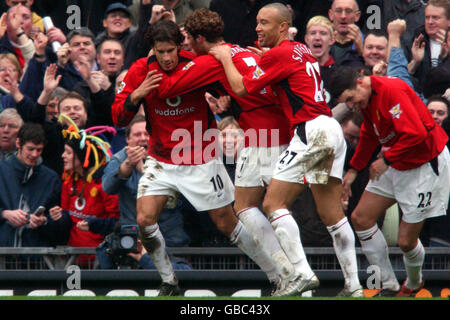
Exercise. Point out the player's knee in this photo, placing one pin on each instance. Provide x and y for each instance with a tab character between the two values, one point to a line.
225	221
406	244
144	219
268	207
359	222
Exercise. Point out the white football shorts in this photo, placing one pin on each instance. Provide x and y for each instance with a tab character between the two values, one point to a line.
420	192
206	186
255	165
316	151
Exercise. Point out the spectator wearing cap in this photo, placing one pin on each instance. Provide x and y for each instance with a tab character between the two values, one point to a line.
118	25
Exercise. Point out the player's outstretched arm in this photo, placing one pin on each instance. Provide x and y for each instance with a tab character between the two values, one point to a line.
223	54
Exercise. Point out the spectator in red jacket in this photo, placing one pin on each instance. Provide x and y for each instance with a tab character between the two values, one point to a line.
93	212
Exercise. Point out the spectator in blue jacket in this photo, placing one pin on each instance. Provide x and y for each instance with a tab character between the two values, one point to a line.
25	184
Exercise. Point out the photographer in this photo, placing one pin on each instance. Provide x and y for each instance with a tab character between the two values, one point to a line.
122	250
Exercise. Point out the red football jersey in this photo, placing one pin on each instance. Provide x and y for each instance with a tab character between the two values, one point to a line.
259	111
294	74
397	118
95	203
177	125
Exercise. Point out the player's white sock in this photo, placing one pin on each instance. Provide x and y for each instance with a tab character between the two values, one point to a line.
413	264
244	241
258	225
154	243
376	250
288	234
344	246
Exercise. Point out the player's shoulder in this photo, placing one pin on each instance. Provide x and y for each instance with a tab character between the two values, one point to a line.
287	50
138	67
389	84
187	54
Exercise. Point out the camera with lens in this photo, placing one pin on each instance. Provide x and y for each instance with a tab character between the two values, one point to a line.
123	241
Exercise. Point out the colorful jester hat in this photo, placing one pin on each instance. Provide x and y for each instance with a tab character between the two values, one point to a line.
90	149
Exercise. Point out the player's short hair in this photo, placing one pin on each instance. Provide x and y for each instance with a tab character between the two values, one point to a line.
320	21
283	12
164	31
343	78
206	23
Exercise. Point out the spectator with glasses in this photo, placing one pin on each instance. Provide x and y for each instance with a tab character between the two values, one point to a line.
348	47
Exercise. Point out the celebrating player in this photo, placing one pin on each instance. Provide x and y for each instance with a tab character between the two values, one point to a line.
266	129
173	165
315	155
413	170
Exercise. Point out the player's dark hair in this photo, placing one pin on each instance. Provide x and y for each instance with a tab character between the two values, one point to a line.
164	31
31	132
343	78
206	23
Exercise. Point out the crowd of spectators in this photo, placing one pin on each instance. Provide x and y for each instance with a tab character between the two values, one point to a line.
40	81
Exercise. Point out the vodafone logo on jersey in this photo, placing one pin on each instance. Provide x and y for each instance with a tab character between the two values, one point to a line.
174	111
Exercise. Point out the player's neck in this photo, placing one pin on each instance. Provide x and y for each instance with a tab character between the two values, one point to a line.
210	45
281	39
